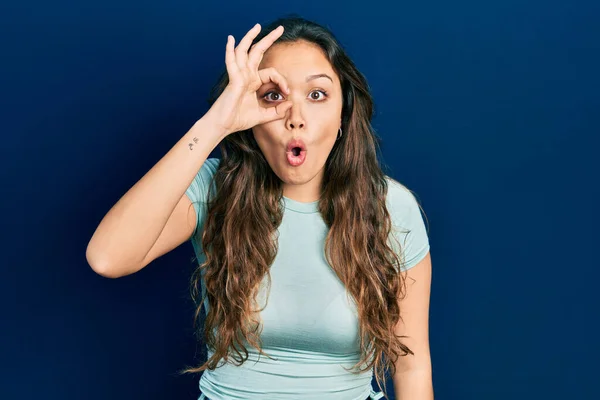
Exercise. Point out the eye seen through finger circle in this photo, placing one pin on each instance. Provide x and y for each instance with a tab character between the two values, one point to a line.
316	95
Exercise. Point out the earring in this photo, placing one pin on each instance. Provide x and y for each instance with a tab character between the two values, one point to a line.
340	133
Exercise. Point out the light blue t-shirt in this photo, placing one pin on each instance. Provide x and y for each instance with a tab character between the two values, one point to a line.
309	325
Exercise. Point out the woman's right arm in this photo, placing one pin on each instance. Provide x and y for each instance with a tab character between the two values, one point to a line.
155	215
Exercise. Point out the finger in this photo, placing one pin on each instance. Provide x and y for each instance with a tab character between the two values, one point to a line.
272	75
241	52
258	50
232	68
274	113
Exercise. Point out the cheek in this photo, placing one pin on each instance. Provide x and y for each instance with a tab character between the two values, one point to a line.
328	128
327	117
265	138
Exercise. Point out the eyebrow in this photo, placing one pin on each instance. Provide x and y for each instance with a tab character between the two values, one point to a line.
311	77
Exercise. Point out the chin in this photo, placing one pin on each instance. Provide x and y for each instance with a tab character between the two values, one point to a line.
293	175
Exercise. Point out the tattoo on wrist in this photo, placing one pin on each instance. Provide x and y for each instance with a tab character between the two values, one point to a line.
191	145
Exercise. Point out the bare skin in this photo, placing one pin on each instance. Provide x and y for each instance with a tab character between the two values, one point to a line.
155	215
315	116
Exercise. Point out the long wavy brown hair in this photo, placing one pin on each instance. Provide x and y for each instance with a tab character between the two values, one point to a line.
239	234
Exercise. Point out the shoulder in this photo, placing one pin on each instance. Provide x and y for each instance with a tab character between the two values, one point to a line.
408	224
199	187
207	171
400	198
403	205
210	166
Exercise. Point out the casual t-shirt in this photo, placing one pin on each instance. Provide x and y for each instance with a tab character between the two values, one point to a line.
309	324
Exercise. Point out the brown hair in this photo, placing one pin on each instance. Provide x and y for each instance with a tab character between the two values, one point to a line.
238	236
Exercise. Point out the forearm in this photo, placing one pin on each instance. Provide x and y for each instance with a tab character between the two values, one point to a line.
133	224
415	384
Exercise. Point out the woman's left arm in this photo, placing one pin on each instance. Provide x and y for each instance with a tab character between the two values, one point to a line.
413	377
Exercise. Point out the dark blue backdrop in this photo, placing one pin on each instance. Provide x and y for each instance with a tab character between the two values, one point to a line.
487	110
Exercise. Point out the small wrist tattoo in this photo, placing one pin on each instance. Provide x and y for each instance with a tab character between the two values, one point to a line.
191	145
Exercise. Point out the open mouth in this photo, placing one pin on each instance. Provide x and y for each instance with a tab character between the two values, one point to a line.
296	152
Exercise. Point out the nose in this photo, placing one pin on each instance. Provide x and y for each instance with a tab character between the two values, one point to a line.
295	119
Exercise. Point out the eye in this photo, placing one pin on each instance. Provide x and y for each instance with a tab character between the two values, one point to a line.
318	98
311	95
264	96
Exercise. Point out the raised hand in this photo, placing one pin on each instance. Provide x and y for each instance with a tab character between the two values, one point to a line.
238	108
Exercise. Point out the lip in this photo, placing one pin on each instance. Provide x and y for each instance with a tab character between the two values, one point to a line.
295	143
295	161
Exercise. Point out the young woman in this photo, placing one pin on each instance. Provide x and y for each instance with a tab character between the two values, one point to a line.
314	266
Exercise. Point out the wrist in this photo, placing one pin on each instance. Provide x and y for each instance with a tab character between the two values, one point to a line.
210	123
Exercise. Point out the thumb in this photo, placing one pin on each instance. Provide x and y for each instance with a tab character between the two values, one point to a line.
274	113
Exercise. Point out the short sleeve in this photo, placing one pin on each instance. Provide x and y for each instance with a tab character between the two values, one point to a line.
198	190
408	225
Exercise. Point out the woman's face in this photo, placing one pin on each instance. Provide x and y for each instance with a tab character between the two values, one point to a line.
314	117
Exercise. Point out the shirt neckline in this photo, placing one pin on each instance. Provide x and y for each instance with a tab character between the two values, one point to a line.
301	207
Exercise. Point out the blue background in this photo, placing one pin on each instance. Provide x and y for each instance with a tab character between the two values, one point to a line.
489	111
